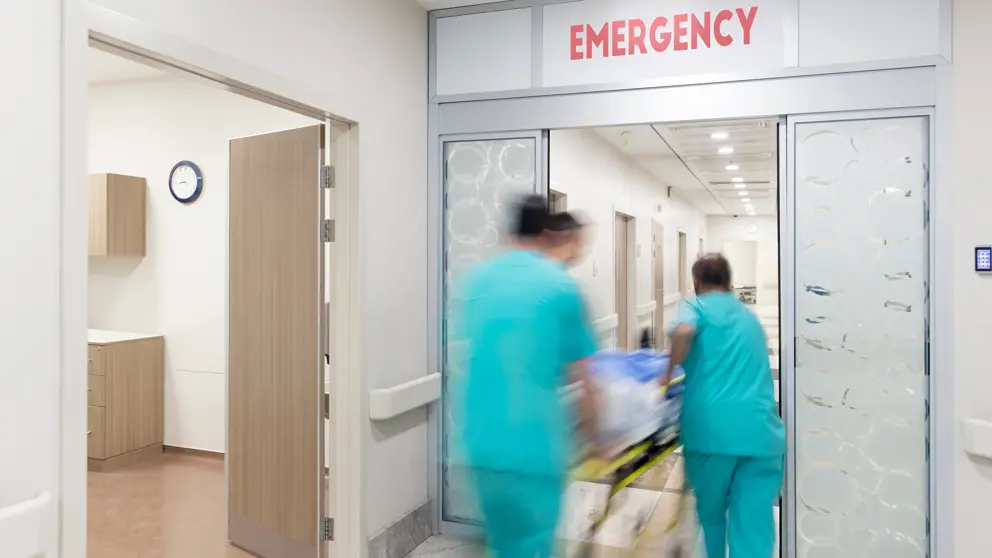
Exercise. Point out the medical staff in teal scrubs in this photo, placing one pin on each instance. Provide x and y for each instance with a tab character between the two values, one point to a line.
733	437
524	334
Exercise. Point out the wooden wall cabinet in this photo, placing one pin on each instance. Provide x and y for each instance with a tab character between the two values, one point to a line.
118	208
126	399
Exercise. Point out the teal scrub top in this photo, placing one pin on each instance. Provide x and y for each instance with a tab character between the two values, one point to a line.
521	321
728	406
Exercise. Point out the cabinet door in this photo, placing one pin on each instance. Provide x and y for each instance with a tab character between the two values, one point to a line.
96	433
98	221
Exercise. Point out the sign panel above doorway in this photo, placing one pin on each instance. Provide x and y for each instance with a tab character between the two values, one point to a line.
539	47
591	41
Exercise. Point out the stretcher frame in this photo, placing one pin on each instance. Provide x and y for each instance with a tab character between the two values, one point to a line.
632	462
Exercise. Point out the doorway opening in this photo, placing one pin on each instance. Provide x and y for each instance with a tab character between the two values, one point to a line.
676	187
624	274
211	238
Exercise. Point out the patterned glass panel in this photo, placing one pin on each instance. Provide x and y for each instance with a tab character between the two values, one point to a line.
481	179
861	343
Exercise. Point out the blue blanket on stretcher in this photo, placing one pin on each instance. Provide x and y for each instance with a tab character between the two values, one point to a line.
632	406
642	366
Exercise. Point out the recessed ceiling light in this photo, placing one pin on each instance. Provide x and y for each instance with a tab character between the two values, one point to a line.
746	200
741	185
719	135
726	150
733	167
737	179
742	193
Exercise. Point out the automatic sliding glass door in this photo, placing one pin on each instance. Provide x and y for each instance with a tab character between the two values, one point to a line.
481	176
859	393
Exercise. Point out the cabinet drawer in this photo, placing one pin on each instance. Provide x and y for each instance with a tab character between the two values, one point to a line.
96	391
96	360
96	432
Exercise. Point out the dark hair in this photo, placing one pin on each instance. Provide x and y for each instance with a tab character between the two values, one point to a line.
532	217
712	270
563	222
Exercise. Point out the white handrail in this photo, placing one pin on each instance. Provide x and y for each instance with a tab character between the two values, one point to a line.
605	324
391	402
647	308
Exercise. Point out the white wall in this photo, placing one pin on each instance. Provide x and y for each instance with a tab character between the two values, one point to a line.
599	180
369	61
30	329
179	289
365	61
723	229
971	120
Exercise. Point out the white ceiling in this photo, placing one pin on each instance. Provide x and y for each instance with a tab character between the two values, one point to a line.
441	4
104	67
686	157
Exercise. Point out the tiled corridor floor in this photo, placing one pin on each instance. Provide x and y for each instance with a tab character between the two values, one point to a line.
654	498
167	508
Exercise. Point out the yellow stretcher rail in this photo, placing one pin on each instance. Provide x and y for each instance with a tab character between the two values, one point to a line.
630	465
595	469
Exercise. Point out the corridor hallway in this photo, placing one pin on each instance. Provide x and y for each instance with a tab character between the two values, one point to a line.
648	506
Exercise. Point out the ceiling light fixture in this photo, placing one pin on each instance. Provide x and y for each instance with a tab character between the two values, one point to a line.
742	193
746	200
741	185
719	135
726	150
733	167
737	179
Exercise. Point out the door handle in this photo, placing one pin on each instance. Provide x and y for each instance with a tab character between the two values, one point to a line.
88	432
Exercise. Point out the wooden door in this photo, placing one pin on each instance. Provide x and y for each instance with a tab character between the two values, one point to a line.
275	374
658	275
621	275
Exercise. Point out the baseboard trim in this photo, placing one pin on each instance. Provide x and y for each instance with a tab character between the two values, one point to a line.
406	534
153	451
194	452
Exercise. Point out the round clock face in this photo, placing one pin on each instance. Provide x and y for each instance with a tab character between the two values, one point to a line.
751	228
185	182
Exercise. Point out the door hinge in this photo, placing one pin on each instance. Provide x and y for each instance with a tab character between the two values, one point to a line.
327	231
327	533
327	176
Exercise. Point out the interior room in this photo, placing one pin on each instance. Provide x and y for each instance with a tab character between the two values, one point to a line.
159	299
654	197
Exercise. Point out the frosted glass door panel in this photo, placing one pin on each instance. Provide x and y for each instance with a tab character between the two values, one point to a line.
482	179
861	268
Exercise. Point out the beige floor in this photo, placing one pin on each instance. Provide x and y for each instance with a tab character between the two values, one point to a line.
168	508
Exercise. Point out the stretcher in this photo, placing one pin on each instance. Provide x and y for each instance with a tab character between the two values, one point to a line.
634	457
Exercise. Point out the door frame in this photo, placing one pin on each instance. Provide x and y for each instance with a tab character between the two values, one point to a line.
658	238
86	23
922	86
626	320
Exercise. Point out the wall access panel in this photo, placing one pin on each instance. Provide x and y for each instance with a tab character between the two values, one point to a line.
835	32
488	52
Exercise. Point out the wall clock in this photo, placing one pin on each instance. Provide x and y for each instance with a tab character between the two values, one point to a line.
186	182
751	228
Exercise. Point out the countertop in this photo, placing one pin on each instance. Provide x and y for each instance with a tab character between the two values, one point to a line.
102	336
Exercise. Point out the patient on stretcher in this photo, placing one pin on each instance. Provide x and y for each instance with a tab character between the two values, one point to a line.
632	406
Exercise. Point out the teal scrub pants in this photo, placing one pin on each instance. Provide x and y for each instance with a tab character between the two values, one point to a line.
735	499
520	512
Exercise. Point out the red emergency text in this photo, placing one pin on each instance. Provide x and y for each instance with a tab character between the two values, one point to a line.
630	37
